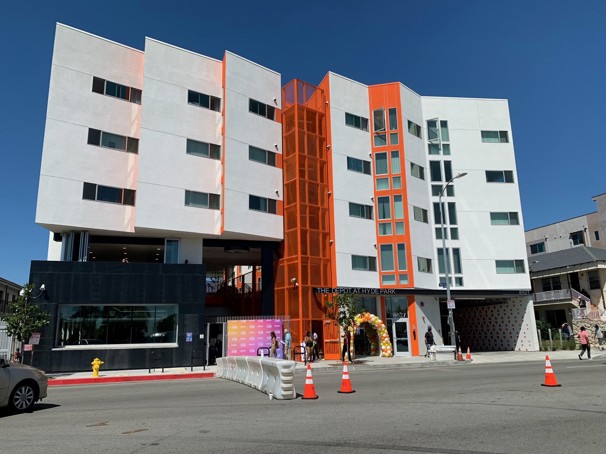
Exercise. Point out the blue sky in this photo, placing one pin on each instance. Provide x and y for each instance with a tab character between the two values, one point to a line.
545	56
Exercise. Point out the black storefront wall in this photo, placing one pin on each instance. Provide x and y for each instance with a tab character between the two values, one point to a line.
91	283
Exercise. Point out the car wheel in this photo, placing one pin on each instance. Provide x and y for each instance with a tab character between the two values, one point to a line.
23	397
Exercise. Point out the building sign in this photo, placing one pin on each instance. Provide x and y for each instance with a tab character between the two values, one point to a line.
244	337
361	290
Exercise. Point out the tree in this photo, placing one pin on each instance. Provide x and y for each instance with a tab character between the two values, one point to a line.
25	317
343	308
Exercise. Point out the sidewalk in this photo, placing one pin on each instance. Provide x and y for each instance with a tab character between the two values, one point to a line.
185	373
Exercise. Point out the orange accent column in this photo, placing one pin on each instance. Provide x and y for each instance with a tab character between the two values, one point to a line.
414	331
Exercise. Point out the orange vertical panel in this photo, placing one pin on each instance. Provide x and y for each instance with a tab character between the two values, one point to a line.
412	321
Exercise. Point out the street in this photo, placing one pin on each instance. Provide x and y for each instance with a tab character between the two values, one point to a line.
445	409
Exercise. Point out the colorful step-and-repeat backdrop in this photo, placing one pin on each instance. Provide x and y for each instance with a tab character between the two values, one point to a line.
244	337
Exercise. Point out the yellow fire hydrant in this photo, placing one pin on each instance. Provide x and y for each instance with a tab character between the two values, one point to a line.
96	365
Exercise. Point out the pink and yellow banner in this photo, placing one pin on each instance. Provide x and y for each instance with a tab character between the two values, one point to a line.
244	337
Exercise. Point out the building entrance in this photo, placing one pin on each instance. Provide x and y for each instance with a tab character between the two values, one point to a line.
400	336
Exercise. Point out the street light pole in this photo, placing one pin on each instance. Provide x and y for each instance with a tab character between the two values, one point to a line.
453	339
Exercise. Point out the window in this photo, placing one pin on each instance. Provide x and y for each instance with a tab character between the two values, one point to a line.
378	120
382	184
356	122
596	234
383	208
510	266
261	204
398	207
594	279
381	167
402	264
393	119
417	171
203	100
435	134
424	265
436	189
91	191
414	129
115	324
262	156
437	219
577	238
109	140
399	228
358	165
363	263
435	170
447	170
360	211
499	176
207	150
395	162
454	233
456	260
261	109
387	262
380	140
537	248
105	87
202	200
393	138
504	218
495	137
551	283
385	228
396	182
420	215
171	251
452	213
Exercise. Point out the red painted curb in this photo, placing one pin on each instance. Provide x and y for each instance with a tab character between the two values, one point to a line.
102	380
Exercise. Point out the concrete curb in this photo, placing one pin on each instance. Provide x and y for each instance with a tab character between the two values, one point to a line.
126	378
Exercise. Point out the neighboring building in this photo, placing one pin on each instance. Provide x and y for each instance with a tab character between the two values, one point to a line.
9	291
588	230
570	286
189	167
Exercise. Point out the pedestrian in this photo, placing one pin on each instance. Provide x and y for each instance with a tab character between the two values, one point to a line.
287	344
316	349
346	348
566	331
599	337
309	345
273	346
428	340
584	340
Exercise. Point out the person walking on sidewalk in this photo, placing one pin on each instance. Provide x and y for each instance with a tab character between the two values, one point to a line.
599	337
287	344
428	340
584	340
346	349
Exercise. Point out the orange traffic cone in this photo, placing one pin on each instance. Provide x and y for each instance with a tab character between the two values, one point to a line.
459	355
345	383
309	392
550	378
468	355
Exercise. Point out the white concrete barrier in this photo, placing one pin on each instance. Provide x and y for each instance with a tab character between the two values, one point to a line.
272	376
442	352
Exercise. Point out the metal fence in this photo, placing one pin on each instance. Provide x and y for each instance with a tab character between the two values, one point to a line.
5	342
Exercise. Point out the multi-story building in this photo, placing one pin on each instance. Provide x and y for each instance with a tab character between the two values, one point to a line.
9	292
183	165
567	268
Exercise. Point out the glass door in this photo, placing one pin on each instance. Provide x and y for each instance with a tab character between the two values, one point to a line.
400	337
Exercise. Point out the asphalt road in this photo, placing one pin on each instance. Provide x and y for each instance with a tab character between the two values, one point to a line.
444	409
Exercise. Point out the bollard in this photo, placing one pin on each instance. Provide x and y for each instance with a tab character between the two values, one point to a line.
96	365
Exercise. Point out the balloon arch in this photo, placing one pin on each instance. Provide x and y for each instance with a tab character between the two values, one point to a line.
377	334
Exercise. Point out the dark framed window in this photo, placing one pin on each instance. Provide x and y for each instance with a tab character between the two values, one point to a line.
206	150
109	88
262	204
100	193
202	200
551	283
577	238
594	280
110	140
358	165
264	110
363	263
195	98
414	129
495	136
499	176
357	210
356	122
504	218
510	266
537	248
262	156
